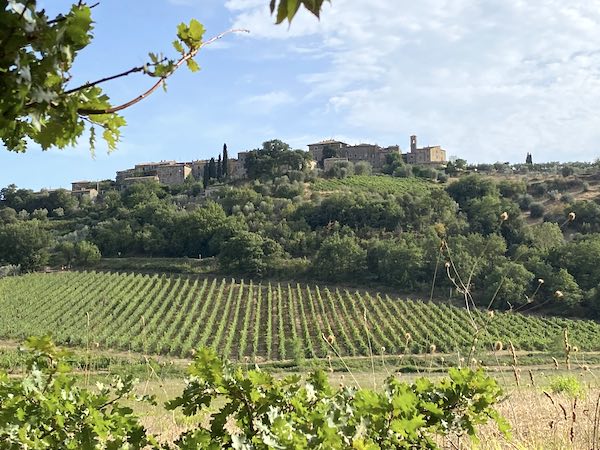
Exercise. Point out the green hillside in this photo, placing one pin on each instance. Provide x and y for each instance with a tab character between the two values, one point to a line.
173	315
368	183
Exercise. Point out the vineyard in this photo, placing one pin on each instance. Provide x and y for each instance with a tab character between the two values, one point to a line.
172	315
380	184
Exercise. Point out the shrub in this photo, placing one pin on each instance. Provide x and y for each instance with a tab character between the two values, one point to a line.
567	198
525	202
536	210
363	168
567	385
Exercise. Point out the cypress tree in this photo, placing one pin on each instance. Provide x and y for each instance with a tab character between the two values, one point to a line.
225	161
212	168
205	176
219	168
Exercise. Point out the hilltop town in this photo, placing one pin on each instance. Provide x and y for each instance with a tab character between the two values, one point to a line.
325	154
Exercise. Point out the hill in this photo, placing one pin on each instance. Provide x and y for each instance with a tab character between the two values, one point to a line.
173	315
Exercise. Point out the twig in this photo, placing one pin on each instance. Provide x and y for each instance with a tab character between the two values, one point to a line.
161	81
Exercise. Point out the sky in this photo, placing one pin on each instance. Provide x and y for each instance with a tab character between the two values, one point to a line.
487	80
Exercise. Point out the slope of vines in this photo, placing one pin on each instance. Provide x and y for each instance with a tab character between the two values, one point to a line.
380	184
173	315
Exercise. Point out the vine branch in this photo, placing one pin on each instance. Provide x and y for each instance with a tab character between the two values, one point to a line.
159	83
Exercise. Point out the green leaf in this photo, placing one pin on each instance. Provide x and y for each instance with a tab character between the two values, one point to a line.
192	65
177	46
196	30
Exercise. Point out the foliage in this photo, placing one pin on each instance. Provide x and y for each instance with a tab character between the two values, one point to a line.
274	159
341	169
47	409
250	409
287	9
536	210
471	187
243	253
568	385
338	258
25	244
288	413
37	104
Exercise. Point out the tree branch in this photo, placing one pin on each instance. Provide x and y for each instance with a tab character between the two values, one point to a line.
112	77
160	82
63	18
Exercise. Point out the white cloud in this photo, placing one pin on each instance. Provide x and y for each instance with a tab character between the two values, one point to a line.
487	80
265	103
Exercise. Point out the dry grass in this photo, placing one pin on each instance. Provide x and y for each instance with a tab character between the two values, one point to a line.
540	420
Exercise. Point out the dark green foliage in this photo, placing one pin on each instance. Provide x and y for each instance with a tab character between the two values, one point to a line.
471	187
225	161
273	159
512	189
212	169
339	258
287	9
536	210
397	262
25	244
244	253
393	162
587	216
507	285
580	258
341	169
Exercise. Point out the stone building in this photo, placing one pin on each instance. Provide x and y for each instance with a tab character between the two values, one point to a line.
173	174
424	155
371	153
316	150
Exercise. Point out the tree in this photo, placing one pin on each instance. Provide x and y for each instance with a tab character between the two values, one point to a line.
219	168
508	283
225	161
471	187
339	258
24	243
212	169
86	253
206	176
244	254
273	159
393	161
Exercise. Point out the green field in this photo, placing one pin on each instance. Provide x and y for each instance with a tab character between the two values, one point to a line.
172	315
367	183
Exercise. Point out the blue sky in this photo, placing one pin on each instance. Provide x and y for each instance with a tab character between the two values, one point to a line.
487	80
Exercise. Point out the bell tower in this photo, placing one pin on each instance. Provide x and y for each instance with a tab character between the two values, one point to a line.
413	143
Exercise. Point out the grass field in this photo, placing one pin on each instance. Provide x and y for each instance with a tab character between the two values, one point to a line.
367	183
243	320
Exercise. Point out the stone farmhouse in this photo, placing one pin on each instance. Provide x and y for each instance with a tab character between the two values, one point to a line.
374	154
173	173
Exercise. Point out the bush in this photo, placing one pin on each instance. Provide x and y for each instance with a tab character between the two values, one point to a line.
363	168
567	385
525	202
567	198
536	210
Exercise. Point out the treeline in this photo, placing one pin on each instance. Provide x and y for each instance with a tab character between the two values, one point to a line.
469	236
